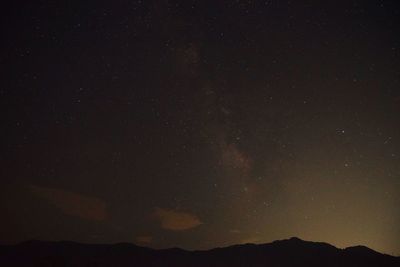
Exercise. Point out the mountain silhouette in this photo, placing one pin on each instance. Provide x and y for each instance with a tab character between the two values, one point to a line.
288	252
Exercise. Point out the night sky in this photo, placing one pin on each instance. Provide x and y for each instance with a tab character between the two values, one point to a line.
199	124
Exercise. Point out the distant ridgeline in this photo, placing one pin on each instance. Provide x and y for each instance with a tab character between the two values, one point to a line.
291	252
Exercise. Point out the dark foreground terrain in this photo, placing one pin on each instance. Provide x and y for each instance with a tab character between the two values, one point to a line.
290	252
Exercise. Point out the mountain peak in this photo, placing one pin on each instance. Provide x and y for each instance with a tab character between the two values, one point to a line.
361	249
295	239
291	240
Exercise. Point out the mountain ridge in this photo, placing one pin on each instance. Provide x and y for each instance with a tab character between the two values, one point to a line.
287	252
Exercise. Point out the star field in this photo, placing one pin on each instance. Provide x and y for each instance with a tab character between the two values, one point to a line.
200	124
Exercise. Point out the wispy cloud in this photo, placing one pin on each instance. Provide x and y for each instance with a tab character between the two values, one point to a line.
73	204
176	221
